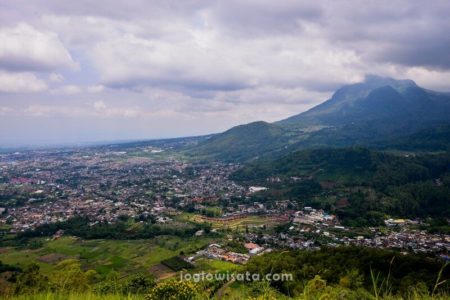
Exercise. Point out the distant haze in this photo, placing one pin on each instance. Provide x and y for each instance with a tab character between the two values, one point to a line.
87	71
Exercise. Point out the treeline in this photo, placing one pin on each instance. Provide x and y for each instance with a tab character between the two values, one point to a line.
348	166
9	268
354	268
81	227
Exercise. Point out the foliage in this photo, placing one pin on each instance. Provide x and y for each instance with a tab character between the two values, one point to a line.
71	278
241	142
374	183
352	268
81	226
9	268
174	290
176	263
31	281
139	283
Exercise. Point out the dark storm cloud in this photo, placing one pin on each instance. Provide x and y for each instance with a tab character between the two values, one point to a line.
408	33
264	17
201	62
119	9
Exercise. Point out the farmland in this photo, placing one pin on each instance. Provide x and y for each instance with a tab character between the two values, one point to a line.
122	256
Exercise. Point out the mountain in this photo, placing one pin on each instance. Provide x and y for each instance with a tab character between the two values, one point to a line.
362	114
376	99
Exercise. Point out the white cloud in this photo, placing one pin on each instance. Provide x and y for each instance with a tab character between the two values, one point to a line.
99	105
96	110
98	88
5	110
55	77
24	48
22	82
67	90
131	60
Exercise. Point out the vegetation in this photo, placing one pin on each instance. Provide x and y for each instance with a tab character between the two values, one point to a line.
241	142
123	229
176	263
362	270
372	183
338	273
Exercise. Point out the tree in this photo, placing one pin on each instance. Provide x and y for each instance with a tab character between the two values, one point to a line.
31	281
138	284
70	276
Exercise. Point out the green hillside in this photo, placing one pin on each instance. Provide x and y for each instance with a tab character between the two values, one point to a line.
242	142
374	184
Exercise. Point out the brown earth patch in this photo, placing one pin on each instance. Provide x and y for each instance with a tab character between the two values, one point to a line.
160	271
52	258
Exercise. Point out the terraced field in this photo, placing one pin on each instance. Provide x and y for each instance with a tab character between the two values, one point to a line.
104	255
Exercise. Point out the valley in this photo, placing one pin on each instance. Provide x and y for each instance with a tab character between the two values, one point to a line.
126	216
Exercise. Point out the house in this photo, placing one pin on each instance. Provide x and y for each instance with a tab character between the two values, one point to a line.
251	246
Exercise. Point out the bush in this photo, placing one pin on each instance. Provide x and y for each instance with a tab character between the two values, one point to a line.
174	290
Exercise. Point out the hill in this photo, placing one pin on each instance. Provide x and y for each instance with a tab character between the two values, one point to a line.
372	183
348	166
430	139
242	142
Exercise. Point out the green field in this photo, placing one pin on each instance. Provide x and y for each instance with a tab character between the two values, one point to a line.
213	265
103	256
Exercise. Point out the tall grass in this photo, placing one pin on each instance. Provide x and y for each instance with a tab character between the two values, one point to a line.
438	279
75	296
383	288
265	295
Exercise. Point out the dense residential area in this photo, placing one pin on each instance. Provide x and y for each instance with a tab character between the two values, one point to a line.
52	187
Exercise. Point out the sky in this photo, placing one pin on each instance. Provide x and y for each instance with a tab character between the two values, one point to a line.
84	71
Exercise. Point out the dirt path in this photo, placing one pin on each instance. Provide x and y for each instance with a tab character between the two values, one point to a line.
222	289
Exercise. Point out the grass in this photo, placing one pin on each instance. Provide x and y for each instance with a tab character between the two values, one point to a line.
76	296
236	291
214	265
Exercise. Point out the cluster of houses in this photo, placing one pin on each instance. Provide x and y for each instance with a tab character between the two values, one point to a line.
216	251
311	216
53	186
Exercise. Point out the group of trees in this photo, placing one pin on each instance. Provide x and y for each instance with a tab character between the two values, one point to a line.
81	227
374	183
70	277
354	268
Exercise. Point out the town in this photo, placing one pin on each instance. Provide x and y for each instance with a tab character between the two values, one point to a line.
50	186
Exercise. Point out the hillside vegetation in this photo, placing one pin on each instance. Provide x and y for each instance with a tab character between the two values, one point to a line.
372	183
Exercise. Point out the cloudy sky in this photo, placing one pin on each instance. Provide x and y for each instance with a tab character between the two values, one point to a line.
80	71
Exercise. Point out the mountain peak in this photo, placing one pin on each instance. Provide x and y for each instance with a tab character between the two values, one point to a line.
376	81
375	98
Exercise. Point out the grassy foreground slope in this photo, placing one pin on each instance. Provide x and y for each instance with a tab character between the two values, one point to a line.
341	273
